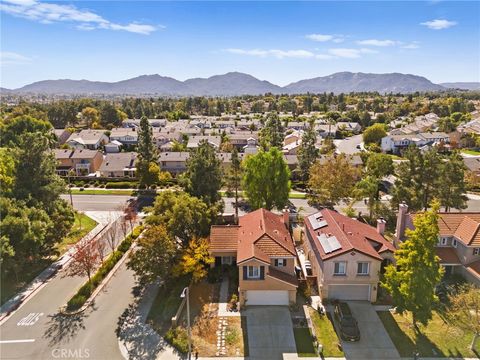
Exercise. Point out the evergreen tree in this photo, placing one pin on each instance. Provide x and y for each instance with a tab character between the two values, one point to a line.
412	280
148	170
308	153
234	178
273	133
451	188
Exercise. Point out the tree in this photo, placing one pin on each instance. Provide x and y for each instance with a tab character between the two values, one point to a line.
273	133
234	178
195	260
266	179
112	233
331	181
185	217
90	115
452	188
204	175
374	134
148	170
13	129
464	311
7	170
110	116
417	272
85	259
308	152
154	257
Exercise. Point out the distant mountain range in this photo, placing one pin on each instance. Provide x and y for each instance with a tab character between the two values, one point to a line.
462	85
235	83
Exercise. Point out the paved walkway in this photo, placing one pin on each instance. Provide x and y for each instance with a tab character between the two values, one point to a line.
223	300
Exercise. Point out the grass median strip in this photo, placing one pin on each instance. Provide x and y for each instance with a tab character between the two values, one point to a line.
82	295
102	192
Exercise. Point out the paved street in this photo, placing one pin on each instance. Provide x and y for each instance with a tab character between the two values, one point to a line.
37	329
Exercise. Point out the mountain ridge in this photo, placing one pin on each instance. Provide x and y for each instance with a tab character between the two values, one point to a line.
234	84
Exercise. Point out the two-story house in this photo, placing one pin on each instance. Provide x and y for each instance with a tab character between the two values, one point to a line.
173	162
119	165
88	139
458	246
346	255
262	248
125	135
80	162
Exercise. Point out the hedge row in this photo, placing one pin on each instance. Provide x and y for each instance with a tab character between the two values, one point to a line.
82	295
178	338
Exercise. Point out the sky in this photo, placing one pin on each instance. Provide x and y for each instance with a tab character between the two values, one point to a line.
281	42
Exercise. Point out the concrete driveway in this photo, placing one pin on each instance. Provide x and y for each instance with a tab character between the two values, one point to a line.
270	332
374	340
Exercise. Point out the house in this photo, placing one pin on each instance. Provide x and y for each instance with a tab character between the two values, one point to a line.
473	164
353	127
239	139
119	165
155	123
194	141
396	143
346	255
263	250
113	147
88	139
173	162
61	135
79	161
458	244
162	136
125	135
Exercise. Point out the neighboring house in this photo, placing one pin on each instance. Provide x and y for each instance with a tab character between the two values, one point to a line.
458	244
262	248
353	127
162	136
126	136
240	139
173	162
471	127
297	125
224	124
346	255
292	148
420	124
294	137
194	141
79	161
62	135
113	147
153	123
88	139
251	147
396	143
119	165
472	164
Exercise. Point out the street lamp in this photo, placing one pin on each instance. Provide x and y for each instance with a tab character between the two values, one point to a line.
185	293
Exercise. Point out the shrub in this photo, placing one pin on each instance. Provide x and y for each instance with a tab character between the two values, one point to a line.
231	336
120	185
178	338
214	274
76	302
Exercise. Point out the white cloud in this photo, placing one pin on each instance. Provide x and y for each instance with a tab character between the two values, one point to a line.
325	37
350	53
376	42
12	58
439	24
279	54
48	13
412	45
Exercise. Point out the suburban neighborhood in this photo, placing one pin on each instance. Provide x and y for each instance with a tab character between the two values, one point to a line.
330	212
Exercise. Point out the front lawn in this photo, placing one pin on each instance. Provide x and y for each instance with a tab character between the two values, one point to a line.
304	343
81	227
437	339
471	152
103	192
326	334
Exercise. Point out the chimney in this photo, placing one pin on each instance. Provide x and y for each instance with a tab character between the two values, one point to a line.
401	220
381	226
286	217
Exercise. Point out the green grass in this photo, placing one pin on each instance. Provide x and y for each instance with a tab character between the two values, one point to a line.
291	195
470	152
166	305
437	339
102	192
326	334
81	227
304	342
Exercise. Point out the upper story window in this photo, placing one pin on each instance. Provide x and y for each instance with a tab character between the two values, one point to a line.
280	262
476	251
442	241
454	242
363	268
253	272
340	268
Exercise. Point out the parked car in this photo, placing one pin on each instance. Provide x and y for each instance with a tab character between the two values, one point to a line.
348	324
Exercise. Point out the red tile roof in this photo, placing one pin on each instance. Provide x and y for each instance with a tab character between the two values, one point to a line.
282	276
224	238
474	268
351	234
447	255
464	226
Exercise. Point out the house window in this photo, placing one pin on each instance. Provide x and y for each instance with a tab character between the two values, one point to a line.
340	268
476	251
227	260
280	262
363	268
444	241
253	272
454	243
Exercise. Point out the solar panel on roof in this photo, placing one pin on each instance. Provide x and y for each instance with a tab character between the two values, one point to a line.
316	222
329	243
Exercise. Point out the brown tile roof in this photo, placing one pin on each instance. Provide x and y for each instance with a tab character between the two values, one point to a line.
224	238
447	255
253	227
474	268
351	234
282	276
464	226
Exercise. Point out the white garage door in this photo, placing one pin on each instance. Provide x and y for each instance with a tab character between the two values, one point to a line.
267	297
349	292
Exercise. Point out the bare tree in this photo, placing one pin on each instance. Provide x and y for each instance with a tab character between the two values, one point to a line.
101	249
130	215
112	233
123	225
84	260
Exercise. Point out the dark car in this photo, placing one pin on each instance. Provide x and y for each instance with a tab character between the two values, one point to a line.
348	324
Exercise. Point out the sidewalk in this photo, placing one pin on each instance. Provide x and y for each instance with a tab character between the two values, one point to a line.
223	300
